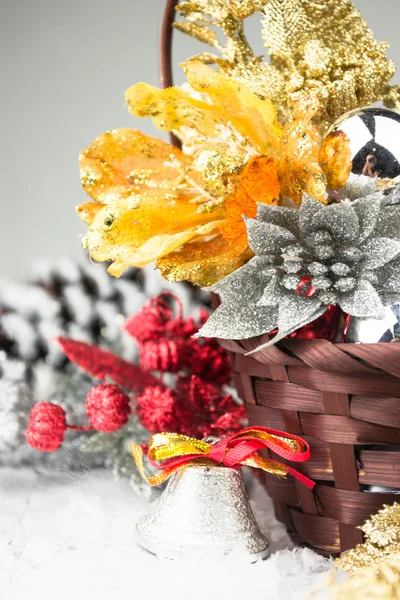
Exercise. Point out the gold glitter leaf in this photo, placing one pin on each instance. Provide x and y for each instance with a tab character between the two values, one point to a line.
188	8
327	47
200	32
382	543
379	583
226	15
208	58
391	98
241	9
284	26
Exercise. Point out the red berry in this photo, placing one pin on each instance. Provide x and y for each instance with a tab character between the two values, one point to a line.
47	426
108	408
155	408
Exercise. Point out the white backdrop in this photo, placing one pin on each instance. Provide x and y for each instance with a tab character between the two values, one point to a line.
65	65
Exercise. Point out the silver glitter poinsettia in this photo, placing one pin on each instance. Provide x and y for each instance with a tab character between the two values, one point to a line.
305	260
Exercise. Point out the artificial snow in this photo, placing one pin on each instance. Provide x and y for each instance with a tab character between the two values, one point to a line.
70	536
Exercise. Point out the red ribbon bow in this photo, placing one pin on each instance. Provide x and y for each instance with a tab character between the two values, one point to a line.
178	451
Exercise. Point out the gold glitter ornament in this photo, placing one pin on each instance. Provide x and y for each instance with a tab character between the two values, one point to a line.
379	583
320	47
382	543
241	9
227	16
327	48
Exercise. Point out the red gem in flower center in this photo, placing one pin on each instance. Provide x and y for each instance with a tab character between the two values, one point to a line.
305	288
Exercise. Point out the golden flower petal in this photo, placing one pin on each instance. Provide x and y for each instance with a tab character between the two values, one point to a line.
299	169
137	236
237	104
335	159
258	182
125	164
159	246
172	108
205	263
88	211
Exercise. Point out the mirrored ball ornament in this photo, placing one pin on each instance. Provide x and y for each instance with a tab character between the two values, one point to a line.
374	137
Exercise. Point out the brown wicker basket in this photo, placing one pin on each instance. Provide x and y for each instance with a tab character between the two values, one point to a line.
344	399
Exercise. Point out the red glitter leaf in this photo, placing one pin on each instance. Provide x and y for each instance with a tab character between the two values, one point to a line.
102	364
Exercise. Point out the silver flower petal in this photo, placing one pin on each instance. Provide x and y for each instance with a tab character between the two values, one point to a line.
271	294
321	282
363	301
346	284
350	254
340	220
388	276
234	322
278	215
340	269
295	309
379	251
367	211
388	224
317	268
308	210
291	282
284	333
249	281
265	238
293	266
392	198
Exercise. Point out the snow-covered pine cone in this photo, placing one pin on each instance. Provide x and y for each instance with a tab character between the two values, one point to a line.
67	299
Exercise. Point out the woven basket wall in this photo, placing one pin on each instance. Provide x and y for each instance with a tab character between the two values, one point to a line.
344	399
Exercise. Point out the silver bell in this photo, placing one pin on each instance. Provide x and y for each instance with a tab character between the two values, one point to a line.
203	510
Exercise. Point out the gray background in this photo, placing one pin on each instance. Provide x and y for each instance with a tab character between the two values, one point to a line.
65	65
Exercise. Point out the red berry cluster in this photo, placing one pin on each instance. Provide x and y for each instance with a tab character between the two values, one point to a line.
166	344
195	404
107	407
195	408
191	402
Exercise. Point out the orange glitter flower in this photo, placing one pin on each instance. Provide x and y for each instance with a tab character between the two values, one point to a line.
184	209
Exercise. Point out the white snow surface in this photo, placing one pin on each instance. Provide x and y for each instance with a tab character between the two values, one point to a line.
70	536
